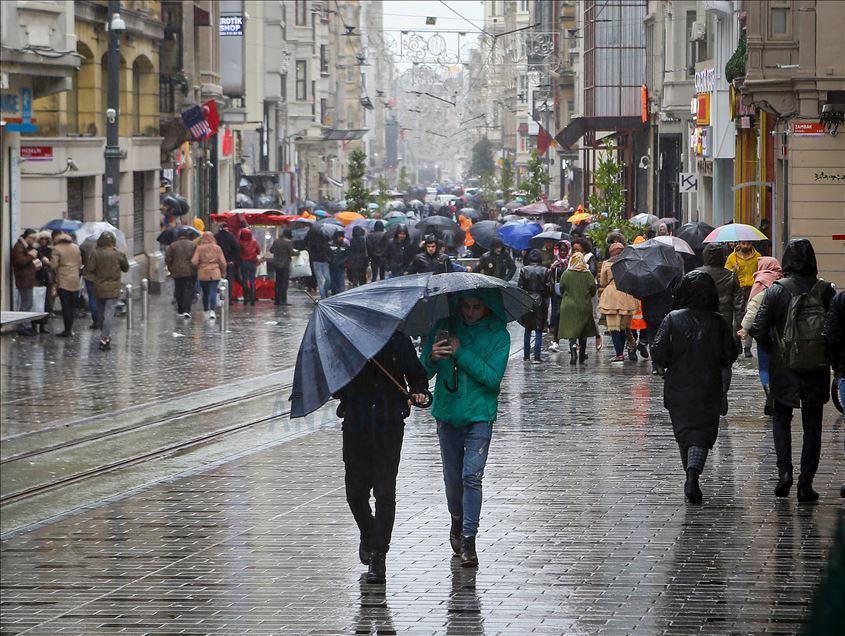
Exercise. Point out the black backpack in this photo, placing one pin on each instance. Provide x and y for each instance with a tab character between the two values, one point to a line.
801	344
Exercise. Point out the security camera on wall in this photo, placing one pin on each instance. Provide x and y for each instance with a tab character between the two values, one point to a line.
644	162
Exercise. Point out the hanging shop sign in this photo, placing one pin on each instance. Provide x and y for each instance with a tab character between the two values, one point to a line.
700	141
807	129
702	109
231	25
16	110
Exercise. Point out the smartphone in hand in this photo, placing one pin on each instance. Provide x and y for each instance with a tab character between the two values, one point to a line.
441	335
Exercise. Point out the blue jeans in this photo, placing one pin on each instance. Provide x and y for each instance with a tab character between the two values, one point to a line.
763	365
842	390
338	276
248	279
323	276
92	302
209	294
538	344
463	451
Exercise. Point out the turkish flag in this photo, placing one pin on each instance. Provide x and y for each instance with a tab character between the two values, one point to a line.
228	142
209	109
543	141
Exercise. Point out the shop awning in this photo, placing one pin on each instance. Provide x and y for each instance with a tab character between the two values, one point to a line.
345	135
580	126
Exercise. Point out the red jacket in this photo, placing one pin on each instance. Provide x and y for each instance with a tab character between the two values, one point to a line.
250	249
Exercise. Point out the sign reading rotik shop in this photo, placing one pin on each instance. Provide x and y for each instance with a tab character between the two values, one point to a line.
807	129
231	25
37	153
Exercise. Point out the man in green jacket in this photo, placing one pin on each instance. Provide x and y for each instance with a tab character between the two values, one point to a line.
469	364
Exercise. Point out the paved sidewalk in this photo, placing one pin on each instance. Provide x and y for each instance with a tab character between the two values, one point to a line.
49	381
583	530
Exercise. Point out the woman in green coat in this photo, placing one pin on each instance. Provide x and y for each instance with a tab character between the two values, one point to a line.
577	288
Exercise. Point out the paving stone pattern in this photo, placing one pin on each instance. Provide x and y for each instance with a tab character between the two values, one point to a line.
583	531
48	381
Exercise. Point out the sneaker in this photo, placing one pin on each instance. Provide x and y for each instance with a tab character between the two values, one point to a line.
536	361
211	315
619	358
186	315
554	347
642	349
632	354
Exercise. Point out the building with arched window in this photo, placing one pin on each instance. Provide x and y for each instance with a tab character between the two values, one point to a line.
73	125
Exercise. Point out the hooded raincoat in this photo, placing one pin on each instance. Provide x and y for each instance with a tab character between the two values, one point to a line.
480	362
107	265
208	258
789	387
694	344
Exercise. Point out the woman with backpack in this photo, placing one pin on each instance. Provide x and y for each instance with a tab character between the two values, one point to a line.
788	326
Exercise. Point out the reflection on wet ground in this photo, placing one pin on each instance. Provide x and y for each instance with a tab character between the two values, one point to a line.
583	530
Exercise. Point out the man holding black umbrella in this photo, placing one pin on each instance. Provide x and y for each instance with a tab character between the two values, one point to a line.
373	412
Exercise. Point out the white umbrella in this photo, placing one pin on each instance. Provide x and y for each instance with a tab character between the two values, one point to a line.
679	244
645	219
93	230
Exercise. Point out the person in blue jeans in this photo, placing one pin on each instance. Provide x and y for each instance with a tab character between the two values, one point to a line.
468	352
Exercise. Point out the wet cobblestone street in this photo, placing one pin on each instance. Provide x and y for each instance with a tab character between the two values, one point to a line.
584	528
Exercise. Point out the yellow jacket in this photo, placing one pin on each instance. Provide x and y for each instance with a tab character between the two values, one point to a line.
744	266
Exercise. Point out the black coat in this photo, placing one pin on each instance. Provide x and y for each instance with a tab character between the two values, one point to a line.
789	387
500	265
376	246
535	280
398	255
230	246
372	397
437	264
731	296
656	306
358	257
834	332
694	344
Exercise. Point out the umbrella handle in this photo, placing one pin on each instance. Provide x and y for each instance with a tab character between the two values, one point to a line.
426	403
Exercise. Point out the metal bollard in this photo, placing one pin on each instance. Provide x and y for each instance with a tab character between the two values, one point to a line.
130	321
223	305
145	299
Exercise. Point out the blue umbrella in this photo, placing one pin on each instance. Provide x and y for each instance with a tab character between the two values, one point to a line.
321	213
372	206
518	235
62	225
347	330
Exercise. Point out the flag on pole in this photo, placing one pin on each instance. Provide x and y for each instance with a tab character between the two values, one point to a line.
209	110
543	141
195	122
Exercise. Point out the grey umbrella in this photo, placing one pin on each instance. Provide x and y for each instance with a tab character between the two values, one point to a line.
347	330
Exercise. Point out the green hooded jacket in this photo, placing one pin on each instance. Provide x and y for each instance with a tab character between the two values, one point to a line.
480	361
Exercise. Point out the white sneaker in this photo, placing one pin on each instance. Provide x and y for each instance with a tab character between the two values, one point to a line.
554	347
186	315
211	315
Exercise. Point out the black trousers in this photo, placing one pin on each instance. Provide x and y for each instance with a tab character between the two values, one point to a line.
378	269
68	299
811	419
371	457
184	292
358	276
232	277
282	283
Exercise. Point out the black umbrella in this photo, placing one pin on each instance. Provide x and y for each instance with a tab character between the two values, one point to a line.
647	268
537	241
484	232
327	228
694	233
172	233
435	223
175	204
347	330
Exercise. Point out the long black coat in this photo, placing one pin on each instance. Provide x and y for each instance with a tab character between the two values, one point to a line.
789	387
694	344
535	280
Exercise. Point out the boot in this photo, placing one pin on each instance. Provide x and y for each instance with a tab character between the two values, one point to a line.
573	354
806	494
692	491
377	572
784	484
469	559
42	328
632	354
643	350
582	353
363	551
455	534
769	405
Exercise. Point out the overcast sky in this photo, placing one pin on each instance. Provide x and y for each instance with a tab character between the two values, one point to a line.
411	14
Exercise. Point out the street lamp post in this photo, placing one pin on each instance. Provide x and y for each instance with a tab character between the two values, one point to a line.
111	187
